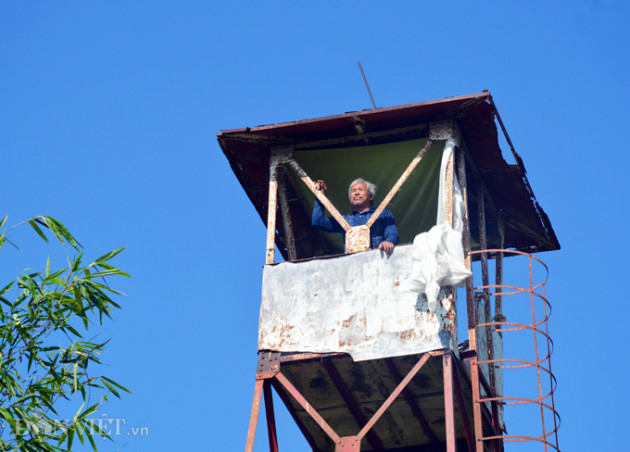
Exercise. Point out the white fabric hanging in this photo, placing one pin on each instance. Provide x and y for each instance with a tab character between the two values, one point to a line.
439	254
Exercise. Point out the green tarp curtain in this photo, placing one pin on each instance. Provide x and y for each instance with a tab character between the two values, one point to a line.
414	206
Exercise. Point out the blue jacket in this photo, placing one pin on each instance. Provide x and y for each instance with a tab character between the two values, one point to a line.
383	229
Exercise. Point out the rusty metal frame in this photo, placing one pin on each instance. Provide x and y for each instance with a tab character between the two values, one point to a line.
485	277
470	303
539	328
282	156
357	238
449	402
269	375
272	207
448	186
475	438
271	418
498	299
253	419
470	439
318	194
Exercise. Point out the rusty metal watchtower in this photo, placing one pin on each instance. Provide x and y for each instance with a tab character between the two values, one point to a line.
362	359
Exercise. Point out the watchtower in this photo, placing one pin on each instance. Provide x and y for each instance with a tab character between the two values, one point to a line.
362	346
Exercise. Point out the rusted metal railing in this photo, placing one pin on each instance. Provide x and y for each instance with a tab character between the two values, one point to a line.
534	319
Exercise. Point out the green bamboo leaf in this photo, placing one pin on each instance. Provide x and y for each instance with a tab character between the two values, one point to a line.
58	273
113	272
98	429
35	376
80	432
70	437
90	410
60	231
38	230
118	385
6	414
76	264
11	243
76	416
110	387
72	330
108	256
89	435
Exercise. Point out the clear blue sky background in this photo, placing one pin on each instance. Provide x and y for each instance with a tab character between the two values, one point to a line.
108	118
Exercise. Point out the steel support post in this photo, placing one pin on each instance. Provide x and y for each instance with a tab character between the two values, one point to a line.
253	419
485	277
271	418
470	440
448	187
474	381
471	308
449	405
498	299
271	211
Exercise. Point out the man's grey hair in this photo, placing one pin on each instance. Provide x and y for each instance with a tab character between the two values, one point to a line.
370	186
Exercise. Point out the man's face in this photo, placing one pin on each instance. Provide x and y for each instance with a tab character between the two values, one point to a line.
360	197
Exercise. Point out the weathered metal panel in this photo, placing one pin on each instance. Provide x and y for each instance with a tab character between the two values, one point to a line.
362	304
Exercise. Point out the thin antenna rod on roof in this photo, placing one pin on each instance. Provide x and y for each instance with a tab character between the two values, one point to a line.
366	84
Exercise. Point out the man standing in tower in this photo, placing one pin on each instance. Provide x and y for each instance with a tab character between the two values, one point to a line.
383	233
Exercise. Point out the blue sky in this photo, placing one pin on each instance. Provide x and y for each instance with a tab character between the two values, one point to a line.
108	120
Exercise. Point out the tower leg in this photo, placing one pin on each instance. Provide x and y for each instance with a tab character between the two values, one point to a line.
271	418
449	405
253	420
474	373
